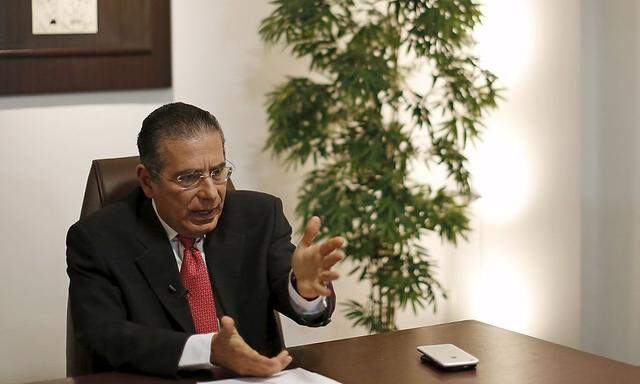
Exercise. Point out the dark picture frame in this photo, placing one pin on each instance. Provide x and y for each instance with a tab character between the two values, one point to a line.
132	50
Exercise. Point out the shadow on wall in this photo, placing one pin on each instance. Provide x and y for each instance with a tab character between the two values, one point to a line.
610	179
141	96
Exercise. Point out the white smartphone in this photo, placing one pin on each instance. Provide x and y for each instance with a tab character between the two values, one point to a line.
448	357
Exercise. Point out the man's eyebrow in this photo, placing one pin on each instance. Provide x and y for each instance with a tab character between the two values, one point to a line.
219	165
185	172
192	170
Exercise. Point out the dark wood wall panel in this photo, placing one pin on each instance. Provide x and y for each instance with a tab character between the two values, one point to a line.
131	50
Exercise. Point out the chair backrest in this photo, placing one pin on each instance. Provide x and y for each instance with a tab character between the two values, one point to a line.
109	181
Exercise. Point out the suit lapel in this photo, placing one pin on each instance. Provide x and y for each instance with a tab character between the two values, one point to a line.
224	252
158	265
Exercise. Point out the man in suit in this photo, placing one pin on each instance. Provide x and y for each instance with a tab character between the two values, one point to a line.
168	280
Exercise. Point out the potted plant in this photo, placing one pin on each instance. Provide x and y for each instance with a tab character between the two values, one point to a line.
363	123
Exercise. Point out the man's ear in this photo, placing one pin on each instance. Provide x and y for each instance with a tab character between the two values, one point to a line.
144	178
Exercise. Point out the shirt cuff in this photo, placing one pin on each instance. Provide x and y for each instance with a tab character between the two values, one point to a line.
303	306
197	352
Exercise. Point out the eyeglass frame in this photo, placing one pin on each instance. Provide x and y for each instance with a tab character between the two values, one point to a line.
203	175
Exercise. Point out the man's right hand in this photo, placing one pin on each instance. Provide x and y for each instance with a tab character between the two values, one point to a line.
229	350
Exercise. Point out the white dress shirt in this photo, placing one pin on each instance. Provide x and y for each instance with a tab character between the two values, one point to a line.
197	350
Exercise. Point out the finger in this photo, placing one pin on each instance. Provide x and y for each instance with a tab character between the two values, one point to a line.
331	245
264	366
331	259
278	363
228	324
311	231
256	364
262	369
283	359
322	290
327	276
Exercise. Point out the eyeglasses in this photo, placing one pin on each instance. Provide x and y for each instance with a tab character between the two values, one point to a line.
190	180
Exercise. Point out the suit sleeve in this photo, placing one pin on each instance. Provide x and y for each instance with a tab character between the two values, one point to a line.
280	253
100	318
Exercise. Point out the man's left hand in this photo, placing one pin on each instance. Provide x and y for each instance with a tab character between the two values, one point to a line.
312	263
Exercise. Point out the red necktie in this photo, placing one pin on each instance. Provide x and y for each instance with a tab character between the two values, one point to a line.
195	279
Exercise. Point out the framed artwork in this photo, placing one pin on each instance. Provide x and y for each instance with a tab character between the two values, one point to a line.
84	45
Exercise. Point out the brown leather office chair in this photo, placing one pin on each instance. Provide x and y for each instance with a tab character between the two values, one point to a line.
109	181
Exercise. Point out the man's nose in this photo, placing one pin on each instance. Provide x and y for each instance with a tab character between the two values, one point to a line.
208	189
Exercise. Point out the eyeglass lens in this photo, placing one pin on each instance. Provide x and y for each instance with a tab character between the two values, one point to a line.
218	175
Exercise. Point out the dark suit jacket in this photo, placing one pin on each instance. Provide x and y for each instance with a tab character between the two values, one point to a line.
120	265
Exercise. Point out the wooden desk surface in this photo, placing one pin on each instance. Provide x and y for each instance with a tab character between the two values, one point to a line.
505	357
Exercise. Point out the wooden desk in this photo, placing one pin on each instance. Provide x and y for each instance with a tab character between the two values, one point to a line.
505	357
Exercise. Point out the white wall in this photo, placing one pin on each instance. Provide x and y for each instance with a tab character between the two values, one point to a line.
45	151
521	268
